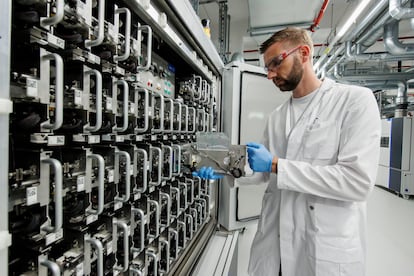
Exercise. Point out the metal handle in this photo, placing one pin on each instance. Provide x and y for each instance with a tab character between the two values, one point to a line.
200	115
184	227
125	106
53	20
181	184
170	162
101	181
97	244
185	118
144	170
199	186
167	259
200	216
152	149
52	266
193	118
155	259
161	112
115	224
206	121
58	93
125	197
208	100
140	213
170	129
199	88
211	121
57	166
146	111
177	160
195	218
135	271
157	216
190	219
101	27
204	90
203	201
125	56
207	205
149	48
191	183
168	198
178	117
175	234
177	193
98	124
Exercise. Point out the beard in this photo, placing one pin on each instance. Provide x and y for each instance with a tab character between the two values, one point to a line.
292	80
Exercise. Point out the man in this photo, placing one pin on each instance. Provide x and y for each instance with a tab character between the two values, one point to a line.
319	156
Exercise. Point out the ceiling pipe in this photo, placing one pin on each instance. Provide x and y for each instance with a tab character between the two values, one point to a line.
319	17
378	8
399	12
371	36
359	56
393	44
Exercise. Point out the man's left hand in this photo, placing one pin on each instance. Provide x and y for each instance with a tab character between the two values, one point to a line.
260	159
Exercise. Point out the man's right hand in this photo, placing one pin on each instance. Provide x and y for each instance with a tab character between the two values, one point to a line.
207	173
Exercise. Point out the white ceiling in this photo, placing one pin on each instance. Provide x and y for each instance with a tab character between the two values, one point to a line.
262	13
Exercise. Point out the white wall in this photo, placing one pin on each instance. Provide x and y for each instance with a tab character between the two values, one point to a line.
390	235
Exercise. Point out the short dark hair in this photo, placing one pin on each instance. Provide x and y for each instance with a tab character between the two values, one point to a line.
291	35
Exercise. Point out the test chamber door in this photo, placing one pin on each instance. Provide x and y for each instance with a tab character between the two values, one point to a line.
248	99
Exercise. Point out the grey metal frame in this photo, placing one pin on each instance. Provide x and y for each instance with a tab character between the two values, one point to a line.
5	109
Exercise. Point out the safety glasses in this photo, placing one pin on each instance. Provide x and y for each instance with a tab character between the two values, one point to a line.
277	60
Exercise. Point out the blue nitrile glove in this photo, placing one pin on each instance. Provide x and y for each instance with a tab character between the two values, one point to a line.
260	159
207	173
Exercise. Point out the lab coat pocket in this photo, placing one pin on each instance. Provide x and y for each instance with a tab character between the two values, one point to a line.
321	140
336	234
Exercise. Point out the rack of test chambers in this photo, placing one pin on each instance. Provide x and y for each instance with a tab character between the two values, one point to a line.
97	185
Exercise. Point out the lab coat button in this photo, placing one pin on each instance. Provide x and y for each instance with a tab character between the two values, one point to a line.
311	207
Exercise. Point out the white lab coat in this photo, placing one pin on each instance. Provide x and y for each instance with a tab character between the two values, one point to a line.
314	212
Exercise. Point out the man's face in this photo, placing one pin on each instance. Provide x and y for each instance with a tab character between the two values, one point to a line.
284	66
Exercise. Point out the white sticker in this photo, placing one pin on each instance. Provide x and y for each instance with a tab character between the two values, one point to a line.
55	140
131	170
78	97
32	88
137	196
93	139
79	269
119	70
31	195
132	108
54	236
109	103
55	41
109	248
119	138
111	176
80	183
91	218
51	237
59	234
94	58
117	205
111	30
